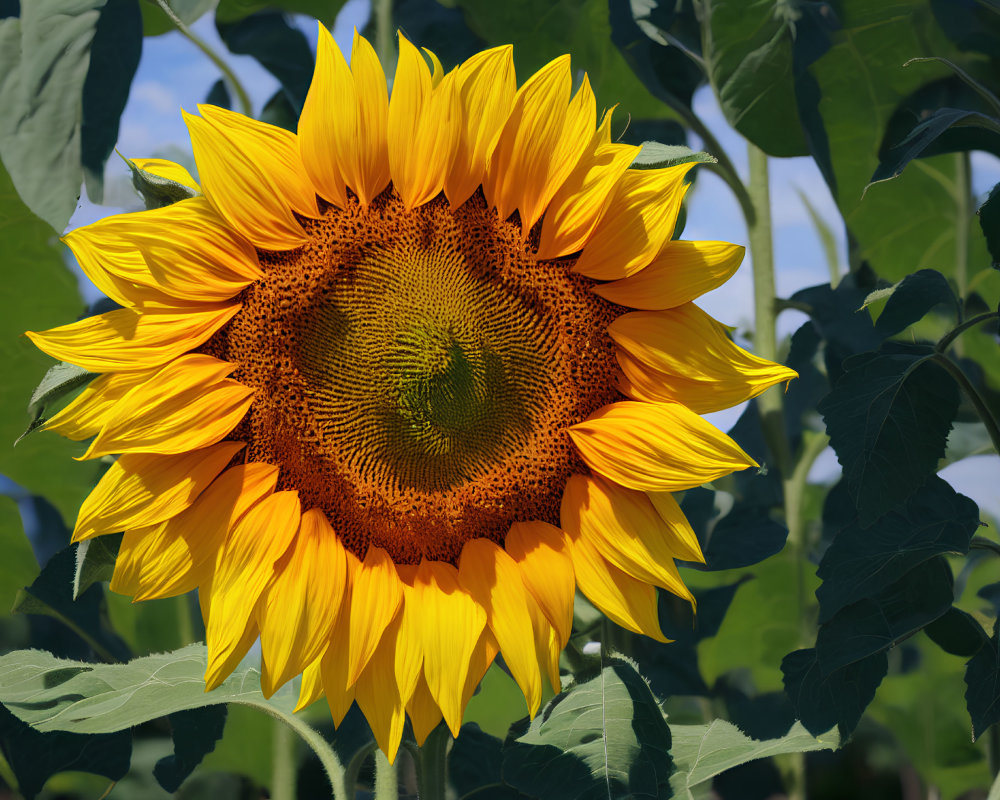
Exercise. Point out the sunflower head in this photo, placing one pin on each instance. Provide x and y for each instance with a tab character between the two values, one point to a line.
377	392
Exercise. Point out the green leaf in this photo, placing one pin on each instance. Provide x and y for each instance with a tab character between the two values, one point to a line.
957	632
156	191
911	298
745	536
59	381
888	419
281	49
95	561
876	623
18	567
838	698
701	752
475	766
605	737
194	733
982	679
655	155
989	221
324	10
156	23
52	59
861	562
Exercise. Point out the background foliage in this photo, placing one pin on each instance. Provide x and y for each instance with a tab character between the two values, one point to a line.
846	641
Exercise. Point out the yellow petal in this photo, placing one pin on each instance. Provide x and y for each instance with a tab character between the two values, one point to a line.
202	260
679	273
185	406
543	140
686	343
493	580
625	600
179	554
367	170
236	176
450	628
656	447
243	639
125	341
423	128
92	408
376	597
311	688
244	569
166	169
334	665
486	89
547	646
542	556
625	528
683	539
328	122
483	653
409	652
140	490
575	209
423	710
637	222
378	696
301	606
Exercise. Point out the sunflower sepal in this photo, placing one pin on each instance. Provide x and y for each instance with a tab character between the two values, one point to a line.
656	155
60	380
157	191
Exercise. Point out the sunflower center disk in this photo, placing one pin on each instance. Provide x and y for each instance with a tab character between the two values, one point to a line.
416	372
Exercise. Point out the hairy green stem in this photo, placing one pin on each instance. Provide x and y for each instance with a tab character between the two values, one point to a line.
983	410
950	336
241	95
432	764
384	34
283	760
386	778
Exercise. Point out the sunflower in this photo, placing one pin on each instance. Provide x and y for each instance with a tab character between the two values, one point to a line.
375	390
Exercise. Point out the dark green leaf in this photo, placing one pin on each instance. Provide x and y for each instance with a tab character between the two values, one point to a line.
957	632
194	733
888	419
655	155
475	766
912	298
703	751
218	95
324	10
924	134
982	680
438	27
989	221
156	23
972	25
95	561
862	562
156	191
279	111
35	757
876	623
839	698
281	49
114	58
745	536
605	737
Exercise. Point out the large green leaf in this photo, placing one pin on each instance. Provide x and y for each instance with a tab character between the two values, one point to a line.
42	294
324	10
578	27
701	752
605	737
910	222
982	679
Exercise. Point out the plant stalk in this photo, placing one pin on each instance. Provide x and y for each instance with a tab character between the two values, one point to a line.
432	764
384	34
386	777
983	410
283	762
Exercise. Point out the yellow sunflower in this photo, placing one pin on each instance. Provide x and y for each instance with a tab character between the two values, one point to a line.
376	393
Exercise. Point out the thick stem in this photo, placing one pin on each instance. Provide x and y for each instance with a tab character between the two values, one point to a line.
432	765
384	34
386	779
241	95
950	336
283	762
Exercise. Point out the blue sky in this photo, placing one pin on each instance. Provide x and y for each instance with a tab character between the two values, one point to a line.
173	74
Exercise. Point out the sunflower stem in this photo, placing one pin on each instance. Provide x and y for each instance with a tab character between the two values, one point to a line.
386	778
432	764
283	763
241	94
382	12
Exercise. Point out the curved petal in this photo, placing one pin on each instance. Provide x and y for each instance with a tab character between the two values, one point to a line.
451	625
185	406
126	341
625	600
366	169
378	696
482	656
493	580
486	89
656	447
376	597
639	219
91	409
334	665
423	710
140	490
543	558
686	343
301	605
243	571
680	272
311	688
625	528
683	539
409	652
236	177
179	554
